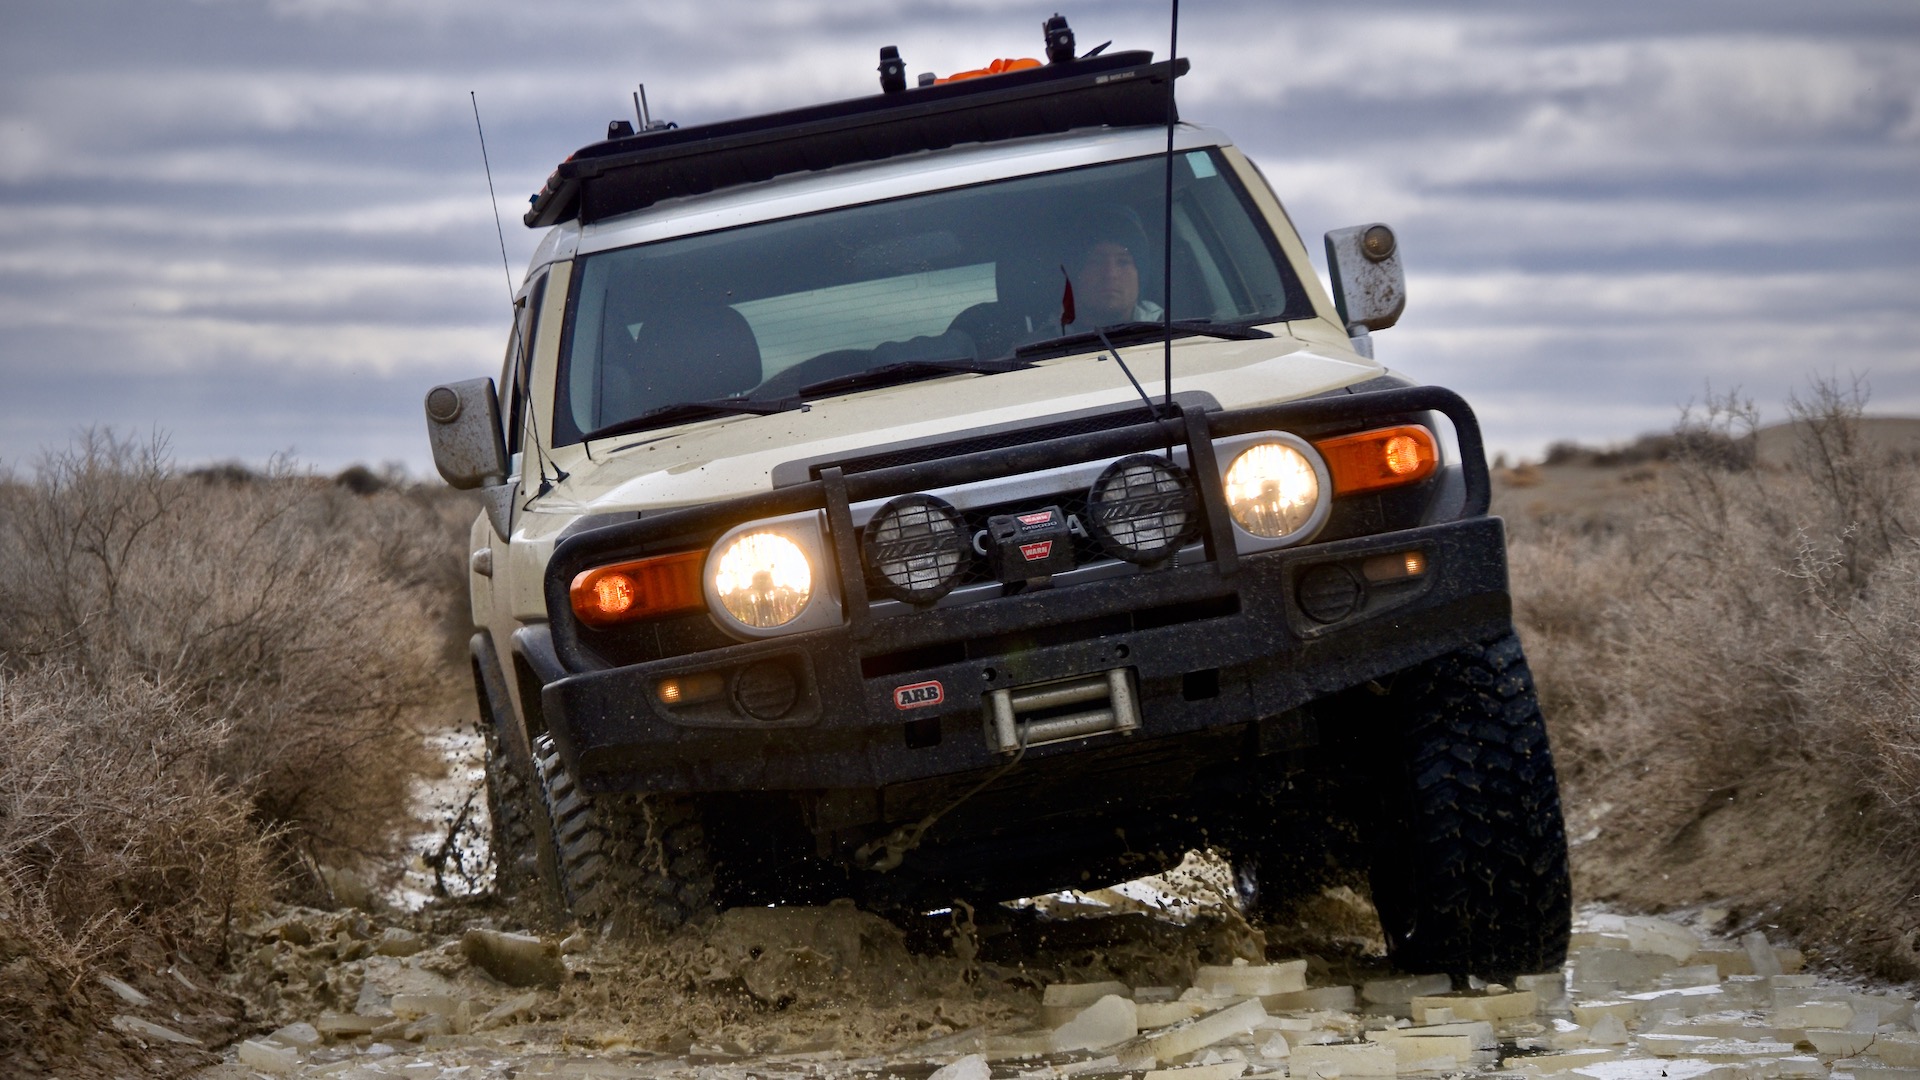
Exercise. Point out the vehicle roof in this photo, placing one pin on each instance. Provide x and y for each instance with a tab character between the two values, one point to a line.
617	176
870	182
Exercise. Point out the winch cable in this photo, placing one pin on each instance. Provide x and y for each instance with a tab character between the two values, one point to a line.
894	846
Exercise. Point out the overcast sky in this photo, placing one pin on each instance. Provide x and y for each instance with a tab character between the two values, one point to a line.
261	226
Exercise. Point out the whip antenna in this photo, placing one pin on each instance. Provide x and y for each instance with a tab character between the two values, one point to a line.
1166	235
497	230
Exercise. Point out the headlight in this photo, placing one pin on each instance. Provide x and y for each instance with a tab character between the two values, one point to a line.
1273	490
917	546
1143	509
762	578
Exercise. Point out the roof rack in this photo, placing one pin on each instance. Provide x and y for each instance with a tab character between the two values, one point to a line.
621	175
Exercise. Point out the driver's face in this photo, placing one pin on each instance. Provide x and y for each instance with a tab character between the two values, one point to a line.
1108	285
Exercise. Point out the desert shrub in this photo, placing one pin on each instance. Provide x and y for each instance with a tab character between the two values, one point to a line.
1732	682
113	826
297	614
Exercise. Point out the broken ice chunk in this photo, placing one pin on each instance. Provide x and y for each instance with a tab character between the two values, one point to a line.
268	1058
1154	1014
1550	987
347	1025
1835	1044
1342	1060
1692	975
1761	954
1814	1014
971	1067
1478	1033
1608	1031
1899	1048
1107	1022
146	1029
300	1036
1276	1048
1251	980
1648	935
1321	998
1490	1007
1625	969
1178	1042
1589	1013
1402	990
125	993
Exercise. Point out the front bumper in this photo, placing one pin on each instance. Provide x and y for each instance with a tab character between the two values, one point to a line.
1226	641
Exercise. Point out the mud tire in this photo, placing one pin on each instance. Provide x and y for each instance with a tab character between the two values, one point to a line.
1469	851
622	864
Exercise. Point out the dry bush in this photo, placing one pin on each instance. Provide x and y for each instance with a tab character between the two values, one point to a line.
302	616
213	683
112	826
1732	683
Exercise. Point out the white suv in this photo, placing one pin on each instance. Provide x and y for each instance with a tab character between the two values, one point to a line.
967	492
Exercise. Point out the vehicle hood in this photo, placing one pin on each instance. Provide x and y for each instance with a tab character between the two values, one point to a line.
735	455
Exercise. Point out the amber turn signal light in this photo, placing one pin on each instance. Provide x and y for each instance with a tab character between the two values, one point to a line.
643	589
1384	458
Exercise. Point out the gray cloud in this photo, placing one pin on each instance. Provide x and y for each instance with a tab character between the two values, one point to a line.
263	225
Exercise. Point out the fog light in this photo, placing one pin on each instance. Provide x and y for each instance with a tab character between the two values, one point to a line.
917	546
1328	592
766	690
1143	508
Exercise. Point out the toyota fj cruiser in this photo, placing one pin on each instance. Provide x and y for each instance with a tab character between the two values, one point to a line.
969	491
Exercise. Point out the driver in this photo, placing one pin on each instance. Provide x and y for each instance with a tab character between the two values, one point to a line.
1103	273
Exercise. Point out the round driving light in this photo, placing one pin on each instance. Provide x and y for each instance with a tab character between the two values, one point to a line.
766	690
916	548
1272	490
763	579
1143	509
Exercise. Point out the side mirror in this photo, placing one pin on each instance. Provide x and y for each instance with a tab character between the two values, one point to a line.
1369	286
463	425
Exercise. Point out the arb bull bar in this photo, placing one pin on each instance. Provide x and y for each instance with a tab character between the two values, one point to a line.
1220	641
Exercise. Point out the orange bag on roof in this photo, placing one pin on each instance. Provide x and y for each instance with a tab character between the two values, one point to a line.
996	68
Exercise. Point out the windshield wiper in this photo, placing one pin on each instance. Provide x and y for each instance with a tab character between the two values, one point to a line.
694	410
907	371
1134	333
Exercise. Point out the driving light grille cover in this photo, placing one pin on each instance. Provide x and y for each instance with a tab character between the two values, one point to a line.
917	548
1143	508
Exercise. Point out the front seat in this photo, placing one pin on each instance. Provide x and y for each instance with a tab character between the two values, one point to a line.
1026	307
689	353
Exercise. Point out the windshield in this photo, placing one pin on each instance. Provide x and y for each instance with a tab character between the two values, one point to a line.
770	311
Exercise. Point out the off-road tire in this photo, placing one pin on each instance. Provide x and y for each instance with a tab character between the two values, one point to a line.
622	864
1469	851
